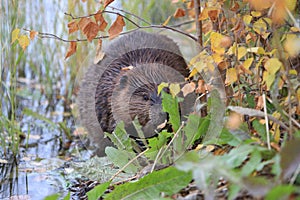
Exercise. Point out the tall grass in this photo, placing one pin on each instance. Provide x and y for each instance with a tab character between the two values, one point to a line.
11	56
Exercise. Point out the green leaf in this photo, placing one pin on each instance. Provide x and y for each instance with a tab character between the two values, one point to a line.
253	162
121	157
98	191
238	155
120	138
170	105
281	192
260	129
52	197
167	181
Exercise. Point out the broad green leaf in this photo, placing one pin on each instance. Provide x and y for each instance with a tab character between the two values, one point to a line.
15	35
238	155
98	191
260	129
166	181
281	192
120	138
252	163
170	105
52	197
121	157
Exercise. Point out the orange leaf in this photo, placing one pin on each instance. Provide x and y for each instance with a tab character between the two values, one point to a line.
279	12
71	50
116	28
91	30
99	54
179	13
73	26
100	20
83	22
188	88
23	41
260	5
33	34
107	2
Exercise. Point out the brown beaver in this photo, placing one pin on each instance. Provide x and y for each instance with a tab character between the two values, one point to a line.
123	85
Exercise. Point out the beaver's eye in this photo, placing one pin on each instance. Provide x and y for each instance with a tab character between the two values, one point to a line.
146	98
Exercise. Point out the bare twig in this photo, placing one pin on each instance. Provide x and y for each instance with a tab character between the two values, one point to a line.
267	121
198	22
129	13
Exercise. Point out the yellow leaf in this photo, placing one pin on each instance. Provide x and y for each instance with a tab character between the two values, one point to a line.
290	4
256	13
242	51
247	19
272	65
257	50
248	63
24	41
161	86
167	21
292	44
268	78
15	35
231	76
174	89
193	73
216	39
218	58
260	26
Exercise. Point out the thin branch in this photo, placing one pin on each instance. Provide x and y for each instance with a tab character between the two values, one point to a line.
198	22
124	11
104	11
267	121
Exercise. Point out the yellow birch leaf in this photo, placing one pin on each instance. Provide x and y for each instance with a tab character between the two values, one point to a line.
231	76
218	58
248	63
272	65
24	41
161	86
260	26
257	50
216	39
268	78
193	72
292	45
290	4
247	19
242	51
256	13
174	89
15	35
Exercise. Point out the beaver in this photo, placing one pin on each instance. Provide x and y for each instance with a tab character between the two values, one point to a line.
123	85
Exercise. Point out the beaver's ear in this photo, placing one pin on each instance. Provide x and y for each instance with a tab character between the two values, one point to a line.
123	81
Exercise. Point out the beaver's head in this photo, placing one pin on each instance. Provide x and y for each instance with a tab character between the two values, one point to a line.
136	97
